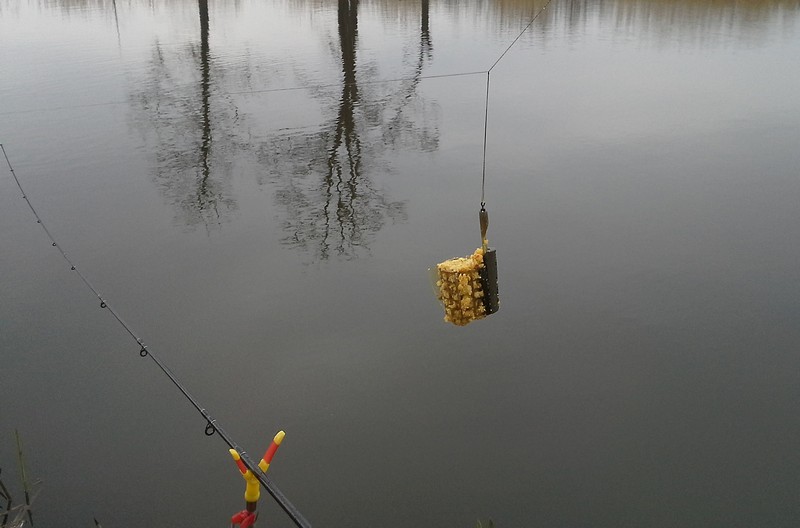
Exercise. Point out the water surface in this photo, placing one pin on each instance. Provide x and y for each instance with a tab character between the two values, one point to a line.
259	188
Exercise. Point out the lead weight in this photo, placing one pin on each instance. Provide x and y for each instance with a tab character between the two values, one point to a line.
488	275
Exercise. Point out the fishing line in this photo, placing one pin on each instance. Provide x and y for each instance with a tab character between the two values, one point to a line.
359	83
486	104
265	90
212	425
485	137
526	28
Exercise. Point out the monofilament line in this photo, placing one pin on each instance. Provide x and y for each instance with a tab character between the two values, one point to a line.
212	425
485	137
526	28
486	104
262	91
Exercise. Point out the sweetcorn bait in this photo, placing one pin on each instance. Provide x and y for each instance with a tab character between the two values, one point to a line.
460	288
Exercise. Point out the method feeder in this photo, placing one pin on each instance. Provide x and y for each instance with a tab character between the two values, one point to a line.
247	517
467	286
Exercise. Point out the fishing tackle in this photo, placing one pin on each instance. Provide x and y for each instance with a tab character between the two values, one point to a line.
247	517
467	286
213	427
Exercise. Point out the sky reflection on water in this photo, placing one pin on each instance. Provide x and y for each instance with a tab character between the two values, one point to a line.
260	187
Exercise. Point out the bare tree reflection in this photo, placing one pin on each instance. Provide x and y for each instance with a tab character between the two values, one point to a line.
174	111
404	127
333	205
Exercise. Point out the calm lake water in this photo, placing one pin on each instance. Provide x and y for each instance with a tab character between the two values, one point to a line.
258	188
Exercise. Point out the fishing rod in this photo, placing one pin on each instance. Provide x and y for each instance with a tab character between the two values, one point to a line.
212	425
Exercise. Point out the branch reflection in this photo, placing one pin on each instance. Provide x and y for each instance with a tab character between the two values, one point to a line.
175	113
332	204
331	183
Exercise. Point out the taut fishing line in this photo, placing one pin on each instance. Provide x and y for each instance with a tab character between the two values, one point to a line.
212	425
262	91
486	104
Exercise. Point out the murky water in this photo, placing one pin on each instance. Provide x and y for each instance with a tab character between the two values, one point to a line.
258	189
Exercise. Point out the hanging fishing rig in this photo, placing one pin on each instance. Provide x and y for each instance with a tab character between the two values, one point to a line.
467	286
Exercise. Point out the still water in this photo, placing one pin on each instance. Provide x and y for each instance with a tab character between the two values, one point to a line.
258	188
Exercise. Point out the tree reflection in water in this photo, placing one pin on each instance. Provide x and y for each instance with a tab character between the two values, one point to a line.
174	111
330	202
333	206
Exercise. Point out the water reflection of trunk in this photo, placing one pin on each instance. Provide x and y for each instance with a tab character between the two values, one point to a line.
344	134
116	22
425	34
179	119
401	130
327	186
205	198
333	205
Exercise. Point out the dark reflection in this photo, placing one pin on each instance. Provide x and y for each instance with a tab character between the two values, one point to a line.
688	23
659	16
207	198
329	181
116	22
175	112
332	204
403	128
